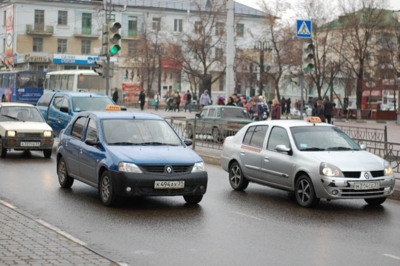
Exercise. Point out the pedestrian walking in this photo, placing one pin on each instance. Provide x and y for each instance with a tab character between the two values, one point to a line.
288	105
230	101
319	111
283	105
188	103
142	100
156	100
328	109
177	100
115	95
205	99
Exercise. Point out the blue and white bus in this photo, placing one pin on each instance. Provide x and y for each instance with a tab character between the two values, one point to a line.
21	86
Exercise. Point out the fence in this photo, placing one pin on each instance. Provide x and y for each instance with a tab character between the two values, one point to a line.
211	135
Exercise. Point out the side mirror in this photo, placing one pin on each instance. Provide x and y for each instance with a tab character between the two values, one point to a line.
363	147
64	109
282	148
198	115
123	108
92	142
188	142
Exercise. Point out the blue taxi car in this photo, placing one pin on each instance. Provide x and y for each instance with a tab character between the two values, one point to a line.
124	153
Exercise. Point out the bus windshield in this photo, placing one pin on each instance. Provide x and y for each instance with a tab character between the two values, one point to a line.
29	80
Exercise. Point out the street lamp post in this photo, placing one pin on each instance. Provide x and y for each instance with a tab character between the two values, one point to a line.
262	47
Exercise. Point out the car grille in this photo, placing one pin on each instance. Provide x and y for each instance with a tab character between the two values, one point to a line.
160	168
358	174
360	193
29	135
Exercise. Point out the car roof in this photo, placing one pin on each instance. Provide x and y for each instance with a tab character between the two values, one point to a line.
289	123
122	115
77	93
16	104
223	106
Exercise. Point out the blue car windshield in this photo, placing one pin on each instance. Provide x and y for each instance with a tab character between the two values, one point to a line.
80	104
139	132
318	138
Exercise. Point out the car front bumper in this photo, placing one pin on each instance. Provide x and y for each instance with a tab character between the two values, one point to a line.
133	184
355	188
20	143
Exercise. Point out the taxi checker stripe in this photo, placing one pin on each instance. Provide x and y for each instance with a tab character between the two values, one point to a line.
251	148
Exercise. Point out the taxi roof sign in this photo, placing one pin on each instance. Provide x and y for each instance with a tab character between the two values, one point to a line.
314	119
113	108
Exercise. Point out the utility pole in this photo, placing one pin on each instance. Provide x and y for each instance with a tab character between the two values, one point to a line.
230	49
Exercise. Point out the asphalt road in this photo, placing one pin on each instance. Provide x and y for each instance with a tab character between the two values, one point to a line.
260	226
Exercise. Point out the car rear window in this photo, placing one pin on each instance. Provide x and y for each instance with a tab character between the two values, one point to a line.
234	113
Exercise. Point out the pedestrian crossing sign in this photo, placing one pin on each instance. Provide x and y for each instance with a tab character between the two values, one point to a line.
304	28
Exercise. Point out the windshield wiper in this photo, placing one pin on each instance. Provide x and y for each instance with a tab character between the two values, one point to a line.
123	143
11	117
312	149
339	149
158	143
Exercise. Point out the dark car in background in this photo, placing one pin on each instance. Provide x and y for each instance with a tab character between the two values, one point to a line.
218	121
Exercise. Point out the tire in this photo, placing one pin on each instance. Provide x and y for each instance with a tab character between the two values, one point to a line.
47	153
375	201
193	199
236	178
305	193
215	135
106	189
3	151
63	178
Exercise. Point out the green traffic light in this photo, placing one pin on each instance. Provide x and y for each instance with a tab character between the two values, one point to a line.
114	49
309	67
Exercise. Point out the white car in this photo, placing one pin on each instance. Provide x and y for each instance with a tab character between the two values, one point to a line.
22	127
312	159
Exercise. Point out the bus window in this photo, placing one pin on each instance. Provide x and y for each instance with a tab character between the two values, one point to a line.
52	83
1	81
91	83
11	83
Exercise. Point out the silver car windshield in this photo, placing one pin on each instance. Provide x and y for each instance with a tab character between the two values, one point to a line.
139	132
20	113
318	138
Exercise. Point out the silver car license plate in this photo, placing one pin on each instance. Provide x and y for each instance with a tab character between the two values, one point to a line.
366	185
29	144
169	184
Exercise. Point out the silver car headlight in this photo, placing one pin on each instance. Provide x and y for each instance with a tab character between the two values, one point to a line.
11	133
129	168
198	167
327	169
47	133
388	169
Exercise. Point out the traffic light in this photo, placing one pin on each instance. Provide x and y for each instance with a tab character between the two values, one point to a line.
99	68
114	38
295	77
309	56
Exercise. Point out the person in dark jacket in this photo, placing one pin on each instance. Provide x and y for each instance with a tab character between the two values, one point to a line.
319	111
328	109
288	104
283	105
115	95
142	99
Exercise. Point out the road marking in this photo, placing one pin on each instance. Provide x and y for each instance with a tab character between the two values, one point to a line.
392	256
249	216
8	205
70	237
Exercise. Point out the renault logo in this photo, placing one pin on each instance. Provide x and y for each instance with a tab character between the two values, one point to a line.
366	175
169	169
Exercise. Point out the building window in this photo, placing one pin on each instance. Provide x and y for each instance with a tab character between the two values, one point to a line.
62	17
61	46
132	26
198	27
39	20
85	47
86	23
37	45
156	24
219	29
219	53
240	30
178	25
133	49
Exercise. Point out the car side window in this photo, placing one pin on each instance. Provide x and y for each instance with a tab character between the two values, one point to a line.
58	101
255	136
78	126
278	136
212	112
91	132
45	100
65	103
204	113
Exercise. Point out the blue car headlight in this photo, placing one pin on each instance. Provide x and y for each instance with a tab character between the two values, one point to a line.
330	170
198	167
388	169
129	168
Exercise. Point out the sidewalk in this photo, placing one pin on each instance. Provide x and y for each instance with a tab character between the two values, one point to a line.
27	241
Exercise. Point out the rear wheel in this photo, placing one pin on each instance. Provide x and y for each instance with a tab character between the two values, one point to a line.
47	153
106	189
63	178
236	178
305	193
193	199
375	201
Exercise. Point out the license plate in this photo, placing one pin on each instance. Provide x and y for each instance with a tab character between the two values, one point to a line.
30	144
169	184
366	185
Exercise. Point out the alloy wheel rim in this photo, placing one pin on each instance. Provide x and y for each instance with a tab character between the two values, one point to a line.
62	171
304	191
105	188
236	175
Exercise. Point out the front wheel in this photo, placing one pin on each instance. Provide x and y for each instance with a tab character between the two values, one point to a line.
193	199
63	178
47	153
236	178
215	135
375	201
305	193
106	189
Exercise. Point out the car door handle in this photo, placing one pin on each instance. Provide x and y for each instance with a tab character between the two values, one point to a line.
242	153
266	159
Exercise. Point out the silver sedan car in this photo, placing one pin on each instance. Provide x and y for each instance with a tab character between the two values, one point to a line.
313	160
